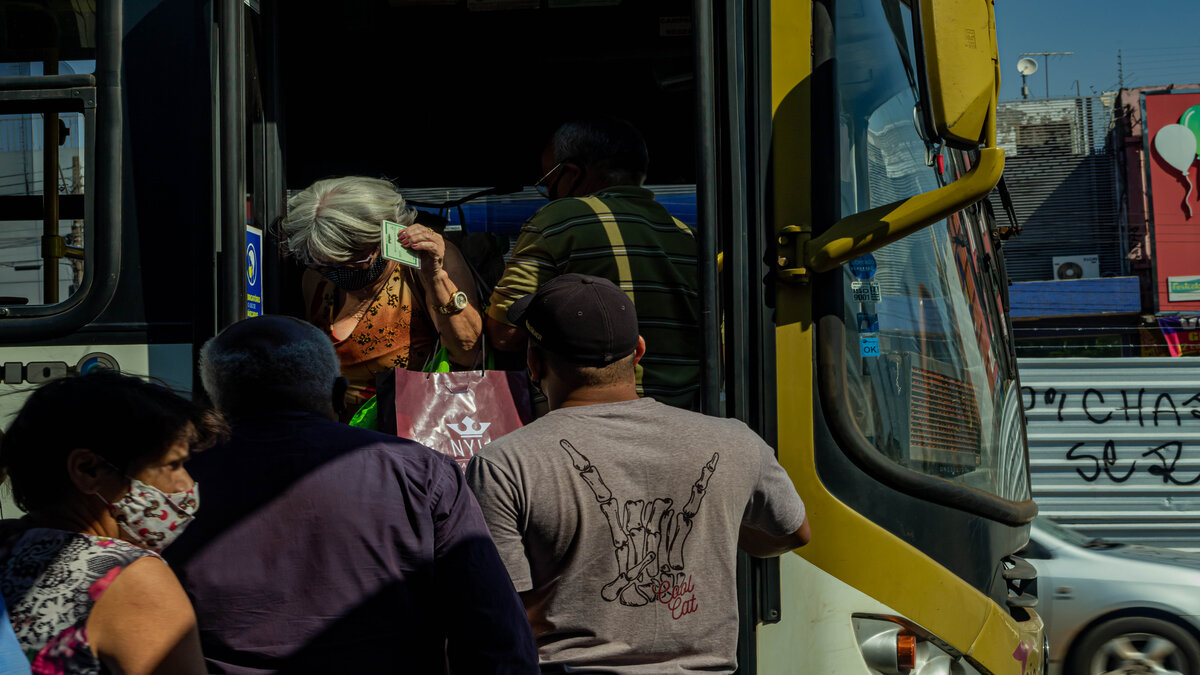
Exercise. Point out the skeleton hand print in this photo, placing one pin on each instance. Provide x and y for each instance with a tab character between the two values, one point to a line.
648	536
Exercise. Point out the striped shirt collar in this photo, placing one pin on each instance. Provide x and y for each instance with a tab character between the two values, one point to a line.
628	191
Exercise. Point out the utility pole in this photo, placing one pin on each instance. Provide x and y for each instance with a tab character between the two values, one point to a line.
1046	59
77	226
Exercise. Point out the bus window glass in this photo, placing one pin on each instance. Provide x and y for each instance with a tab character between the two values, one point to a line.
42	253
24	265
926	345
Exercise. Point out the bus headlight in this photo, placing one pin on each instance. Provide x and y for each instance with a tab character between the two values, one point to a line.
892	646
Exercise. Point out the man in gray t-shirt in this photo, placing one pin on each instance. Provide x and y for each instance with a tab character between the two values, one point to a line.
619	518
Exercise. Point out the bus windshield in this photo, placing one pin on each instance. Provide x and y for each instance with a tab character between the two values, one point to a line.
927	342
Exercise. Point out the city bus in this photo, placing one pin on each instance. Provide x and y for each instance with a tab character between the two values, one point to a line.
834	157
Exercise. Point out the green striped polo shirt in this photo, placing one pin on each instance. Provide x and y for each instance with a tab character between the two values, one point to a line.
622	234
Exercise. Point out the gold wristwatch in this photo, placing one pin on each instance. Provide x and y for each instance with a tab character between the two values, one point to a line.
458	302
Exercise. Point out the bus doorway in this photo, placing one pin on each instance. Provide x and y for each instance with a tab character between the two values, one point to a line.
447	99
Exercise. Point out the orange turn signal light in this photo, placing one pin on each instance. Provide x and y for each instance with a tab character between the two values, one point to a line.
906	652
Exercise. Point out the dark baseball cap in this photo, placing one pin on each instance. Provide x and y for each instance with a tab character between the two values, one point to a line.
587	320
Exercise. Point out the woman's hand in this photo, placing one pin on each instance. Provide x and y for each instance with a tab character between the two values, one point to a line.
428	244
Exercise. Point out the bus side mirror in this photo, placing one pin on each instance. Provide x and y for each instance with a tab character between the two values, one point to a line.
960	81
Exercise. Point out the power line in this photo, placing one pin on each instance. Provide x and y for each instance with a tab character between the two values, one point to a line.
1192	72
1152	63
1159	49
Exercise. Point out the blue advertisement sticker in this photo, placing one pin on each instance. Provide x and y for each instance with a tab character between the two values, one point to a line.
869	346
253	271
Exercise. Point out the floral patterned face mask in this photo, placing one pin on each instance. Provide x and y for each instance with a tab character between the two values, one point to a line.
152	518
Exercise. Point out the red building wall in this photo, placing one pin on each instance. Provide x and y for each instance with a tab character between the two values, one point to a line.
1176	235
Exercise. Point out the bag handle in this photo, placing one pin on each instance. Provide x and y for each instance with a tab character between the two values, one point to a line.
439	361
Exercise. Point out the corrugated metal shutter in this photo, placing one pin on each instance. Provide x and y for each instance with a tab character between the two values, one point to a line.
1114	446
1061	172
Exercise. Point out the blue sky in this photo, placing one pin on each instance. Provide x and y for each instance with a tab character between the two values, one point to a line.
1159	41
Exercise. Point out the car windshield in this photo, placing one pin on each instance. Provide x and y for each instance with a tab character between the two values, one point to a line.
927	350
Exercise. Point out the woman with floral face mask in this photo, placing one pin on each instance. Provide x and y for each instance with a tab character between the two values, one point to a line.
96	461
379	313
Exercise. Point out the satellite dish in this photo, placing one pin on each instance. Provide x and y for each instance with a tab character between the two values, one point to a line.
1027	66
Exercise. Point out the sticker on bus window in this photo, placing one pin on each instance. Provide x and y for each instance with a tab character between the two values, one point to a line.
869	346
863	267
254	286
866	291
868	323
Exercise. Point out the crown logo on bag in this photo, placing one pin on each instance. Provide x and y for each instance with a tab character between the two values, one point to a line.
469	428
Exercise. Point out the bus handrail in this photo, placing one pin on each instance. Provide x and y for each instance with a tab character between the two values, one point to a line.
37	82
859	234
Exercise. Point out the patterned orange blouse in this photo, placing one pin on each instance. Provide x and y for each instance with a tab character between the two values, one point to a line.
394	331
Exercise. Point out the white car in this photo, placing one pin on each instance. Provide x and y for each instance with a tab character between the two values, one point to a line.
1115	608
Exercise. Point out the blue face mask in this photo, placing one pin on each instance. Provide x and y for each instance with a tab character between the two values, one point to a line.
352	279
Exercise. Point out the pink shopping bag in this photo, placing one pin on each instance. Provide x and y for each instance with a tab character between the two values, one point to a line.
458	413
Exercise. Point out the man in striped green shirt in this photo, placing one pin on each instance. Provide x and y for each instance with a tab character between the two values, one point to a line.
601	222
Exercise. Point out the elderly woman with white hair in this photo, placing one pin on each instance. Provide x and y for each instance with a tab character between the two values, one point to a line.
380	314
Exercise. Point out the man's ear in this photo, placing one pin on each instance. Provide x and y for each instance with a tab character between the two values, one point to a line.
340	386
571	176
535	364
639	351
89	473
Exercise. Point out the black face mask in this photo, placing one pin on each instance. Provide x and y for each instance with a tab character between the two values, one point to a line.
351	279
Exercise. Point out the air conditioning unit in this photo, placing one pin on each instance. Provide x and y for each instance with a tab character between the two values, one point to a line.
1067	267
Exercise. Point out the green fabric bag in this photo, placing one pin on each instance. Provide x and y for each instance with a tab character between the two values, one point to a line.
439	362
367	416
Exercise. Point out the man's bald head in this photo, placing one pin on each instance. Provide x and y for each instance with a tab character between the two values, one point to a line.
270	363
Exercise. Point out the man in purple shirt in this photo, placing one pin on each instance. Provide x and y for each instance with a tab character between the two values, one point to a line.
323	548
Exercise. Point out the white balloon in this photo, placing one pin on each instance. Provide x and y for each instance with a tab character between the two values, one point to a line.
1176	144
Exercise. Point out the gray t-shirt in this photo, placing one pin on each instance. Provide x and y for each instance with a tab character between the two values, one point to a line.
619	524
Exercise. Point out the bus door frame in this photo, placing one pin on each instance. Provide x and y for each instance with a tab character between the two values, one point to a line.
268	184
733	155
229	214
256	171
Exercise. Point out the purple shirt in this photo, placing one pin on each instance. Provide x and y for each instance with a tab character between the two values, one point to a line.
324	548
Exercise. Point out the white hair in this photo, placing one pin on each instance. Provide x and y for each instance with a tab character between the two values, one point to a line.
272	372
338	220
